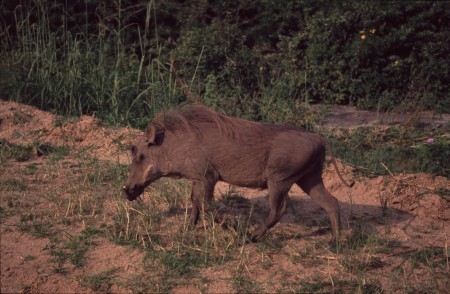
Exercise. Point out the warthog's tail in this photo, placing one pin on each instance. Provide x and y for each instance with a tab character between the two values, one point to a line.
333	160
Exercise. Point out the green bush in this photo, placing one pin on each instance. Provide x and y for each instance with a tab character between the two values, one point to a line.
126	60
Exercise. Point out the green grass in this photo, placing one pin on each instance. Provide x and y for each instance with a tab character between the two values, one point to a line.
80	244
400	148
71	252
243	284
432	262
430	257
59	259
358	250
134	227
101	282
35	226
338	286
31	169
20	153
13	185
29	258
68	251
183	263
55	153
25	152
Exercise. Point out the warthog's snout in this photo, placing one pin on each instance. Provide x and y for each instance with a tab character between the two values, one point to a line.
132	192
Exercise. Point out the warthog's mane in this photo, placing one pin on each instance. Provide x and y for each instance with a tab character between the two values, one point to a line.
196	118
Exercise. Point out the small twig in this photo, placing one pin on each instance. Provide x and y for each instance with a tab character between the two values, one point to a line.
386	168
402	252
71	236
399	181
326	257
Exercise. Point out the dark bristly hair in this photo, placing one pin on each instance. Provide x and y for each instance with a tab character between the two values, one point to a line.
195	117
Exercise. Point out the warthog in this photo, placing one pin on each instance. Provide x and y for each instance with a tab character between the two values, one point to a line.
203	146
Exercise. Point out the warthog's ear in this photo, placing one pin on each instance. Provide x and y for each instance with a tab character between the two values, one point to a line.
153	135
150	134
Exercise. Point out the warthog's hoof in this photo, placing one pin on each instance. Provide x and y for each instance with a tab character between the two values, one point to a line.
333	245
251	238
256	235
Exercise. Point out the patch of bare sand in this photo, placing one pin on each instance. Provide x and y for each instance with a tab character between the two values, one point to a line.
219	280
27	266
186	289
122	262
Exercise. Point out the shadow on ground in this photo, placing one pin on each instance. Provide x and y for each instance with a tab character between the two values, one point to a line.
303	212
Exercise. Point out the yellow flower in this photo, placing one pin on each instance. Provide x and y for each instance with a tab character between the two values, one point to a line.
363	37
372	31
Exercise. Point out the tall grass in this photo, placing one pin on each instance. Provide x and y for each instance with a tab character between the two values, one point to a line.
78	73
97	69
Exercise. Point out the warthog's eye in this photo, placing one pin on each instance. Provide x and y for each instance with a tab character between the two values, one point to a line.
133	149
141	157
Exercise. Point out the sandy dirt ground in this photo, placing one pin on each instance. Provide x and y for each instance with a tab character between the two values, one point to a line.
387	205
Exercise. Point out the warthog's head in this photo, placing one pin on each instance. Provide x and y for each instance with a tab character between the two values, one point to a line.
145	164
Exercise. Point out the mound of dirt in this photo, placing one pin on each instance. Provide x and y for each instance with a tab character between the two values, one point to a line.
414	193
23	124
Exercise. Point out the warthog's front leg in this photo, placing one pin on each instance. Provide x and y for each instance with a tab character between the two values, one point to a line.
202	194
278	193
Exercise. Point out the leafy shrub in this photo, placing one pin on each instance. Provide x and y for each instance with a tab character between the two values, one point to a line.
126	60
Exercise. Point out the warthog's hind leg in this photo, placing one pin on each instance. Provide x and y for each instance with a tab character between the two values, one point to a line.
313	185
278	193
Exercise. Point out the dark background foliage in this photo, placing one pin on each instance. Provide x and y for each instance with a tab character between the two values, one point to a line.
260	59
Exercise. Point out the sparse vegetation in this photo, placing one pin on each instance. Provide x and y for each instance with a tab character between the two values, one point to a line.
101	282
400	148
18	152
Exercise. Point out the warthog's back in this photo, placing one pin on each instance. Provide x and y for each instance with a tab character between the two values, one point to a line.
242	152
